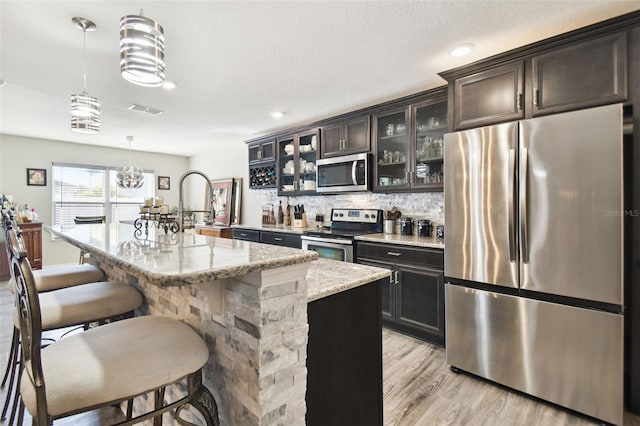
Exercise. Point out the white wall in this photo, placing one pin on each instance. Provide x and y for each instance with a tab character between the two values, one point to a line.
224	161
19	153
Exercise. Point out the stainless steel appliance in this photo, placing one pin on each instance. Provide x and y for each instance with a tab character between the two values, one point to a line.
337	242
534	257
348	173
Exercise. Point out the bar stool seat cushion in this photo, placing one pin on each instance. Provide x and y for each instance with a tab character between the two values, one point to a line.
115	361
85	303
63	276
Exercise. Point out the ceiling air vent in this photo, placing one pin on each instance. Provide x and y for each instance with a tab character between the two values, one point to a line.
148	110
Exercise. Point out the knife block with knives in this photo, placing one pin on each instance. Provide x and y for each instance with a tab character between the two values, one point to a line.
299	216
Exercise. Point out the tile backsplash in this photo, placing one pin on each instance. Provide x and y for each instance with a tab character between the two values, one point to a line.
419	205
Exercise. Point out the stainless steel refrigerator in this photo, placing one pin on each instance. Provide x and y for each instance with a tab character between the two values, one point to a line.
534	257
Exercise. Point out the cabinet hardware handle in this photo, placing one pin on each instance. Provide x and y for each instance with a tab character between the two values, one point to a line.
391	279
519	102
243	235
394	253
277	238
396	274
536	97
259	155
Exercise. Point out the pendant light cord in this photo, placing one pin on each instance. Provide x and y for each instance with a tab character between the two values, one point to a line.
84	59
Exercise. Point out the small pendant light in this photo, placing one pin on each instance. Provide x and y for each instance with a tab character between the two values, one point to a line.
141	50
130	177
85	109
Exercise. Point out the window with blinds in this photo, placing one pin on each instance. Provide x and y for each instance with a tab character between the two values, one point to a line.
84	190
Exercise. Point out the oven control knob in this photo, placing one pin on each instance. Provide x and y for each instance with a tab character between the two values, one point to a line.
366	216
335	215
341	215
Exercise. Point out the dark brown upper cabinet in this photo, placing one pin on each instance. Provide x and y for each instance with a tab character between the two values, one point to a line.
262	163
560	74
581	75
262	151
346	137
408	141
297	163
490	96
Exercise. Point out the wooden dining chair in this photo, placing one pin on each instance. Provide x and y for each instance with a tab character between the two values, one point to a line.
109	364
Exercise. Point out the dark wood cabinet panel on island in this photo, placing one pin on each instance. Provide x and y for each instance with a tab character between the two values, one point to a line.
412	299
350	136
344	358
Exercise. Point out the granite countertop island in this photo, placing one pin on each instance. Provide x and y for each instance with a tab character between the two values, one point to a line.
253	305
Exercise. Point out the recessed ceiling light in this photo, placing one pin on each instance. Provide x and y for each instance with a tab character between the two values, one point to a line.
462	49
169	85
277	114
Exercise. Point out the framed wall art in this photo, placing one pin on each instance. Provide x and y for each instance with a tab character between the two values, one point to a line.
37	177
164	182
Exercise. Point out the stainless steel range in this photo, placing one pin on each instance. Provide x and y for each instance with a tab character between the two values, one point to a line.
337	242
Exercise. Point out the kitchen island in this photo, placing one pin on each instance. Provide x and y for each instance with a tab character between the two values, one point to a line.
251	304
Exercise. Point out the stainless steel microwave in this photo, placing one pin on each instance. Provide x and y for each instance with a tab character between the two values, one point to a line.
348	173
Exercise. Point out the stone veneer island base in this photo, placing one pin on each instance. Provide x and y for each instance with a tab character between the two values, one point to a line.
291	340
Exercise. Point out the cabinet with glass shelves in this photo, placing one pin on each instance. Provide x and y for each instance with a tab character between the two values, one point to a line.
297	155
409	144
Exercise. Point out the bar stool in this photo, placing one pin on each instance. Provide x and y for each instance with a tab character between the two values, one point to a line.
48	279
109	364
77	305
87	220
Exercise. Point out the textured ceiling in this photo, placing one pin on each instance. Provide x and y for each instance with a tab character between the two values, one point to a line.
235	62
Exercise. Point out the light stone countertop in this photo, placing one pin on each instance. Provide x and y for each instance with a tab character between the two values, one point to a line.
407	240
326	277
177	259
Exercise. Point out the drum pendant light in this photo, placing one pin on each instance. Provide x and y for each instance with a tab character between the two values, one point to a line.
141	50
85	109
130	177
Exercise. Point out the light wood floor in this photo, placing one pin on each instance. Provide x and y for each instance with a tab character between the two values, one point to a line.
419	389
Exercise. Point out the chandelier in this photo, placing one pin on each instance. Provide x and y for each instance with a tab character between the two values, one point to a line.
141	50
85	109
130	177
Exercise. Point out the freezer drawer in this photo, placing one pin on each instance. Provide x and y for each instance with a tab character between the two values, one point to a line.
567	355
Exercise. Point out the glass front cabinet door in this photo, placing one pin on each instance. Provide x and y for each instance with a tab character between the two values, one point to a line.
409	142
391	141
430	125
297	156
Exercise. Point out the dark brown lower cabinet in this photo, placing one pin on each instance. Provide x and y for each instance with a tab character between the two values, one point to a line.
344	358
412	300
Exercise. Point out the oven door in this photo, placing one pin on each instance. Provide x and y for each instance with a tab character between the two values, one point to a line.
329	248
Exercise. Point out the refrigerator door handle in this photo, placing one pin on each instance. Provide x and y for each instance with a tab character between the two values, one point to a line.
511	206
524	239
